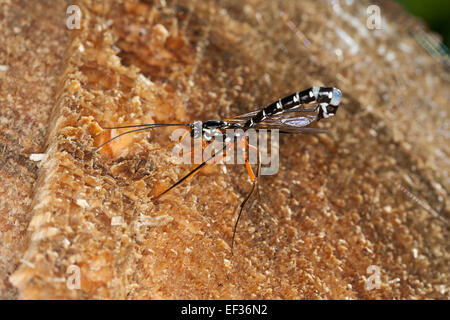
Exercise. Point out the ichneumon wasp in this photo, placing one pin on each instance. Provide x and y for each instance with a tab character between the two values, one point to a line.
288	115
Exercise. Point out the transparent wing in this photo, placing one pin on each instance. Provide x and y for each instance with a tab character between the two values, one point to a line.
242	117
298	124
294	121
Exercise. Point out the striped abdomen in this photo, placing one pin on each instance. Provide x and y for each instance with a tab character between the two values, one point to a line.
321	95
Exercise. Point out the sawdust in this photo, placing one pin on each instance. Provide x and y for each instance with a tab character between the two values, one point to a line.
333	209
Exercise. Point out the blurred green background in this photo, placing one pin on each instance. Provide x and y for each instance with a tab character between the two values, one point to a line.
436	13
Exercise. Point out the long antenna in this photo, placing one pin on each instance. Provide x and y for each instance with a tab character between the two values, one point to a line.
146	127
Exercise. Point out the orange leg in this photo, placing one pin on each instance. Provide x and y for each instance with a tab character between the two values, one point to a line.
243	144
259	166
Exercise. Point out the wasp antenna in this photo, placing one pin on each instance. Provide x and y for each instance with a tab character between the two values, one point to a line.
150	125
146	127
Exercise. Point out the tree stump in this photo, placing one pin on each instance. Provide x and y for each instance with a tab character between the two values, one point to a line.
361	213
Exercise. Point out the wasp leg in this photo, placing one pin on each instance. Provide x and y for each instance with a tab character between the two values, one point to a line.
259	168
168	146
253	178
196	169
192	153
171	144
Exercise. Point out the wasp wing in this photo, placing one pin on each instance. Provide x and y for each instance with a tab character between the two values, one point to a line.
251	114
242	118
294	121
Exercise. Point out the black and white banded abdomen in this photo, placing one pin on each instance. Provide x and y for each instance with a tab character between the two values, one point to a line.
328	99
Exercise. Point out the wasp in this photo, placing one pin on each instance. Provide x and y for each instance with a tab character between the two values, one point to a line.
291	115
